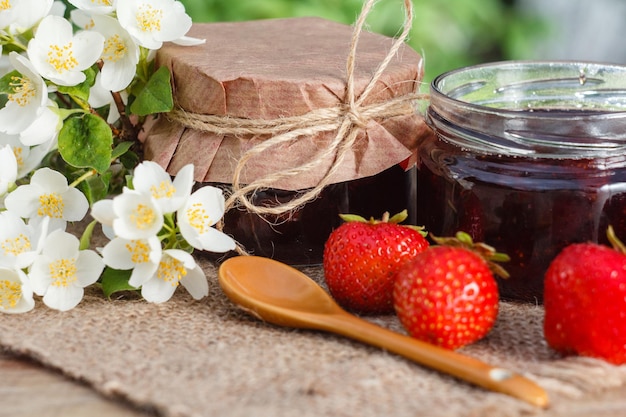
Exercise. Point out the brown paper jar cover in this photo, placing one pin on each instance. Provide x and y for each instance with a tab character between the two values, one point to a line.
275	68
272	69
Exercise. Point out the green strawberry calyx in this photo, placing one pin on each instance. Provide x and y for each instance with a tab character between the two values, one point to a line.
617	244
485	251
395	219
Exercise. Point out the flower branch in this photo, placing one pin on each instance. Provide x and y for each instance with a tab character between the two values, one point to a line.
71	105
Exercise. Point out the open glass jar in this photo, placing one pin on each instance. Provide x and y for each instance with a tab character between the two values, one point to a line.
528	157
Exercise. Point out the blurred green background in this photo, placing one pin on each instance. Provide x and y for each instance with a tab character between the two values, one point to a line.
448	33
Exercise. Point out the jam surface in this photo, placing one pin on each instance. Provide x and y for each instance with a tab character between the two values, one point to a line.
527	208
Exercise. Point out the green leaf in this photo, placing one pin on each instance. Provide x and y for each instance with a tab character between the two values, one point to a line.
96	187
6	82
81	91
85	239
156	96
85	142
121	149
115	280
130	160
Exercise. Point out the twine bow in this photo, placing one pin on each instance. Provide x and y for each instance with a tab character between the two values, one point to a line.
348	120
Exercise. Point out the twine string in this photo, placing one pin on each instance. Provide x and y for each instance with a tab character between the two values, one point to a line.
347	120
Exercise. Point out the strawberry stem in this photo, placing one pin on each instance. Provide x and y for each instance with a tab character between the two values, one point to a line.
395	219
485	251
614	240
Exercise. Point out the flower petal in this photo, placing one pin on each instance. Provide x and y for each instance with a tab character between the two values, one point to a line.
142	273
63	298
75	205
60	245
157	291
89	267
102	211
196	283
49	180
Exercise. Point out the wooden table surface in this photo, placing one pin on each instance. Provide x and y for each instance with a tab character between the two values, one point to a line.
30	390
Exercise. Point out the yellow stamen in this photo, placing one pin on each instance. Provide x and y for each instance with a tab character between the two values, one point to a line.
198	218
114	49
171	270
139	251
10	294
18	151
143	217
5	5
16	245
149	18
63	272
165	190
23	90
102	2
61	58
51	205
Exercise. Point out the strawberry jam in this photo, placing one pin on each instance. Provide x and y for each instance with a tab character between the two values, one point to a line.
527	157
298	237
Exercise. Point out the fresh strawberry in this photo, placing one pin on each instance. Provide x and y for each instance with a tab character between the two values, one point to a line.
585	301
448	295
361	258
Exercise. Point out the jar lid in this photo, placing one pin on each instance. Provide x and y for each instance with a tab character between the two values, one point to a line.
278	68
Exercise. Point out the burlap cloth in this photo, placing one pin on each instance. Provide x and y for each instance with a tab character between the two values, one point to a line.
209	358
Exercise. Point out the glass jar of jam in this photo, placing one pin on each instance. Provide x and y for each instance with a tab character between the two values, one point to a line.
298	237
528	157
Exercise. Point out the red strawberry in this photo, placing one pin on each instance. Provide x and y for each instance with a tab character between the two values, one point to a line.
448	295
585	301
361	258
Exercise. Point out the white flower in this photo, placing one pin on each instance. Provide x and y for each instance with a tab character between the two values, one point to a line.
48	195
95	7
119	56
62	271
61	56
82	19
137	215
176	267
28	158
8	168
202	210
151	179
19	242
152	22
141	255
102	211
21	15
43	130
28	100
16	295
58	8
100	97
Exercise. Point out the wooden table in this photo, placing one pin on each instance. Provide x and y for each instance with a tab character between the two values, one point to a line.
28	390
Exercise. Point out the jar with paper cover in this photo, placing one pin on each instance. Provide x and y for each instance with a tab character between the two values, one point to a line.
293	121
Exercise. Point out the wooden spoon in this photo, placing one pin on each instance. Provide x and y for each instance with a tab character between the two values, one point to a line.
282	295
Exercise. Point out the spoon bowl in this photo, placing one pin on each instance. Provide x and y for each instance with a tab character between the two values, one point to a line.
282	295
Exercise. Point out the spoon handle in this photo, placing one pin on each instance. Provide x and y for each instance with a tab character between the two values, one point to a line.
444	360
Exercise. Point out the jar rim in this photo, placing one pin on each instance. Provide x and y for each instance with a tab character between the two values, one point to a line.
549	108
